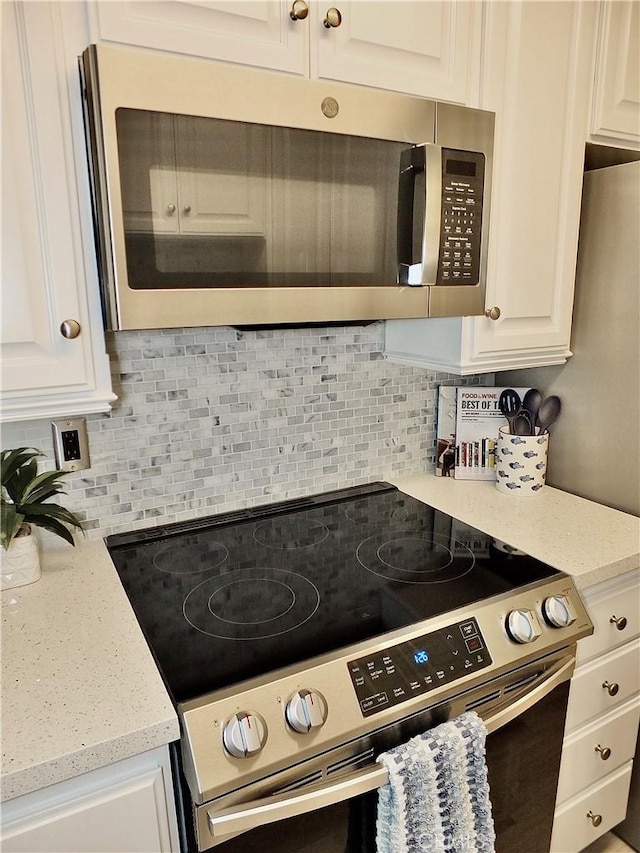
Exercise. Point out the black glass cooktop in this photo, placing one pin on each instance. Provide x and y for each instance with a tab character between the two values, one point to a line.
237	595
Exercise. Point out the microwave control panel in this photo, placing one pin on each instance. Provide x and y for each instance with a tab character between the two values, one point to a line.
461	217
409	669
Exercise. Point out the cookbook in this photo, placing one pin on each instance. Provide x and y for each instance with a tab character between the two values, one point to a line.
467	431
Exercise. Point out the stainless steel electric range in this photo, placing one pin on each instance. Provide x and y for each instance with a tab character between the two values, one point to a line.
299	640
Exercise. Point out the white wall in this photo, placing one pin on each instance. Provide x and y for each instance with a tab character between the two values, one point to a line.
594	450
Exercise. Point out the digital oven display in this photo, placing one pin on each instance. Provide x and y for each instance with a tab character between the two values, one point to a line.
418	666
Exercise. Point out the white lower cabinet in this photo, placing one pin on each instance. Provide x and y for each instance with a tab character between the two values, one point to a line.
127	807
594	750
602	719
583	819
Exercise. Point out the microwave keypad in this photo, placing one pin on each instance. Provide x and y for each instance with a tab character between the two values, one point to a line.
460	235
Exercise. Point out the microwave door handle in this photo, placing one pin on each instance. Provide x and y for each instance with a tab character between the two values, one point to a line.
433	213
412	164
246	816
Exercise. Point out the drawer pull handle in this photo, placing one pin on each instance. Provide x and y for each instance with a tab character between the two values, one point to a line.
611	688
596	819
604	751
619	621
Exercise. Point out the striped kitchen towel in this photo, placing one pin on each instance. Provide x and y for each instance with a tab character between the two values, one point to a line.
437	797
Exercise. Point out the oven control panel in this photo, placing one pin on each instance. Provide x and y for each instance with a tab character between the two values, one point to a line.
417	666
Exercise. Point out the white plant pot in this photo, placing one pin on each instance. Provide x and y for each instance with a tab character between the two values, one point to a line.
20	564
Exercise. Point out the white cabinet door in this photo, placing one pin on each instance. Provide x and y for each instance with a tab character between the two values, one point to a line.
123	808
245	31
430	49
122	818
537	81
44	277
579	822
616	107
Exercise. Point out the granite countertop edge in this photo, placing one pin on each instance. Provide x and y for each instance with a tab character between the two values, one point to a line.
80	688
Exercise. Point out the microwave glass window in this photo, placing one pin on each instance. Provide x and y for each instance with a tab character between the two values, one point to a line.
209	202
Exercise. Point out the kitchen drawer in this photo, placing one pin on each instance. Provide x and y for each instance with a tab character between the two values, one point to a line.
588	698
583	765
573	829
611	606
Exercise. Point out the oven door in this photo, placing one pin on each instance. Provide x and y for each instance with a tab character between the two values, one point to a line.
523	752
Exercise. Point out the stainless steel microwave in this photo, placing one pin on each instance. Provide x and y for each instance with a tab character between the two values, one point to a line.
232	196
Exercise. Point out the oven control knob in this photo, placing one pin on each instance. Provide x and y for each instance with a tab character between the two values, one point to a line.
244	734
558	611
306	710
523	626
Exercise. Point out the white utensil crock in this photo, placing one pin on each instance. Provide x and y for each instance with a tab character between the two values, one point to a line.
521	462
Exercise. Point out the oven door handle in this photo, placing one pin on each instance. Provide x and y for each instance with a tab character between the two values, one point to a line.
246	816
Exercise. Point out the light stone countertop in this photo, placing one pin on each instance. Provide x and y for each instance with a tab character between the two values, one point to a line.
589	541
80	689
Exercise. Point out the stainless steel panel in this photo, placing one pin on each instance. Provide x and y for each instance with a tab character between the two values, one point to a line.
118	77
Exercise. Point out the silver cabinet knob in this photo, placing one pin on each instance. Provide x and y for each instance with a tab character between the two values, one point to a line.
605	752
70	329
596	819
244	734
306	710
619	621
299	11
187	208
611	688
171	208
492	313
333	18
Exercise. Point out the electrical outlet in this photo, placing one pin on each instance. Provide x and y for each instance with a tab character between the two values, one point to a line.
71	444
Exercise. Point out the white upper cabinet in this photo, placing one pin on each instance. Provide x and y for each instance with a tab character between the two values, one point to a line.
234	31
424	48
430	49
537	69
615	118
53	358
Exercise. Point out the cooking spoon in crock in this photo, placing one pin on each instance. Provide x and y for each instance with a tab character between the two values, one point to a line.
509	404
522	423
548	412
531	402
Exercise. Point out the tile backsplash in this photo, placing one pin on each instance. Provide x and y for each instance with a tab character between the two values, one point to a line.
210	420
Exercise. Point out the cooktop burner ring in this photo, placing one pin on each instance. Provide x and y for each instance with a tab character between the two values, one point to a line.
212	609
449	566
447	556
262	619
190	557
365	513
290	534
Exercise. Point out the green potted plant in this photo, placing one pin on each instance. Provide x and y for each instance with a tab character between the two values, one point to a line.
25	503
